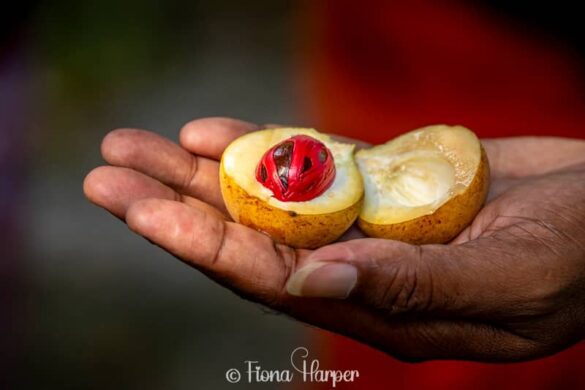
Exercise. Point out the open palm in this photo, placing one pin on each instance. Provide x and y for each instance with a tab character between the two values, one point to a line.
503	290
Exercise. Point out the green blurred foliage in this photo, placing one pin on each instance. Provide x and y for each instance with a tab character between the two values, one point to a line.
106	310
87	53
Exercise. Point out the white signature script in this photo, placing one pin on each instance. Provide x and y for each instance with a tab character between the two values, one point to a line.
301	366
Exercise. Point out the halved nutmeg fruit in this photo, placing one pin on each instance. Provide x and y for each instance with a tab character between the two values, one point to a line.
299	186
305	189
425	186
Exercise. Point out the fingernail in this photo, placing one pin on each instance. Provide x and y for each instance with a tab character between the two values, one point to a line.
323	280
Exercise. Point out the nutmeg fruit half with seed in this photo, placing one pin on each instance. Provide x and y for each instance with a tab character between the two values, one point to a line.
297	185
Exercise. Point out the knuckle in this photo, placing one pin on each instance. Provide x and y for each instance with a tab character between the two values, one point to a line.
272	292
409	289
277	298
205	251
188	176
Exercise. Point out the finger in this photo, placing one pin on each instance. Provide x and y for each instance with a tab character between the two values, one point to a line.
166	162
469	280
239	257
209	137
116	188
527	156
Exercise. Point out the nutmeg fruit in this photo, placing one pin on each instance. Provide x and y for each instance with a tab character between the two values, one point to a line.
305	189
297	185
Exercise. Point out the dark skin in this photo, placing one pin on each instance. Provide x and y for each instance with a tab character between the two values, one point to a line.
510	287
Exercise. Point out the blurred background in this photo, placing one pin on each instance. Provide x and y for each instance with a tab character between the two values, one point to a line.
86	304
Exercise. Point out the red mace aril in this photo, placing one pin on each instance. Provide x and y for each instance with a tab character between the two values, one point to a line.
297	169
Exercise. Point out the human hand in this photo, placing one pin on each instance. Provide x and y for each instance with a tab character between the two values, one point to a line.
510	287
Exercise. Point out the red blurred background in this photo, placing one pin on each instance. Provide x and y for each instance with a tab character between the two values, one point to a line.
379	68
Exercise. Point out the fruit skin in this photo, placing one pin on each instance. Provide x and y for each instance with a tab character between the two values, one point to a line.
446	222
296	230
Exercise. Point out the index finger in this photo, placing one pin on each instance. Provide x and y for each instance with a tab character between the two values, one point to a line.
209	137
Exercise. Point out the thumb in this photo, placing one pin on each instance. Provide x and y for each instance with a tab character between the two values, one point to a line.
399	277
